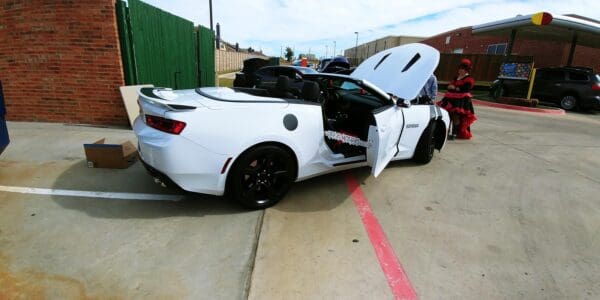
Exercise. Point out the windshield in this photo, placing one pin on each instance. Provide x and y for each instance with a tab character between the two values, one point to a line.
596	78
307	71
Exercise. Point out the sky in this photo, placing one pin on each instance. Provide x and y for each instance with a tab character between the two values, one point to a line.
319	27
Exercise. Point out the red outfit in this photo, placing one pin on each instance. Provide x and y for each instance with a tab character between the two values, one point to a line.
457	101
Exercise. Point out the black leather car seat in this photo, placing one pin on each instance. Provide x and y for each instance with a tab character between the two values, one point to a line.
311	91
282	88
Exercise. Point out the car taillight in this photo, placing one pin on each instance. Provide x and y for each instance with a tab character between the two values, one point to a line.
596	87
166	125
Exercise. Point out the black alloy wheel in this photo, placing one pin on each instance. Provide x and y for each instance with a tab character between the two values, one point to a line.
568	102
262	176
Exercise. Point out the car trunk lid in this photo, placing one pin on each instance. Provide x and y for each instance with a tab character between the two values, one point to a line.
158	101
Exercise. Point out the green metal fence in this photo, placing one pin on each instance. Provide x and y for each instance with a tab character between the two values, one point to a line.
126	43
206	56
163	49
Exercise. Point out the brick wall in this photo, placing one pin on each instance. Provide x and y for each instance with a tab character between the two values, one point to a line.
60	61
545	53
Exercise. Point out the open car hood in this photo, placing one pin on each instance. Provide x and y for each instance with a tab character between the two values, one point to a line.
401	71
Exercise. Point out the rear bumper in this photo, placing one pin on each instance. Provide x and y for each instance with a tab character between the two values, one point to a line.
177	160
160	175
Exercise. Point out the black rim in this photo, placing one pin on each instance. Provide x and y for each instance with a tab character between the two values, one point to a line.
568	102
266	178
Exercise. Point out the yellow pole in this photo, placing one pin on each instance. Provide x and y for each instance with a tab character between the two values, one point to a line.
531	81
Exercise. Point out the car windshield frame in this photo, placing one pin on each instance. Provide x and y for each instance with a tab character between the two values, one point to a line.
384	97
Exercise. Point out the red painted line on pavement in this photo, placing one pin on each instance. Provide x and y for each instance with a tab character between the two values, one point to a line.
521	108
396	277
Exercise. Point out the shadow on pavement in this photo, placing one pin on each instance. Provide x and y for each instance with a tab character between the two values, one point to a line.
321	193
133	180
406	163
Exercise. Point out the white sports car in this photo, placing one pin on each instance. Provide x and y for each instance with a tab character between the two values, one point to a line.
252	144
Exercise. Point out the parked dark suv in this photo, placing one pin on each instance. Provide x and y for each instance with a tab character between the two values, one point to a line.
568	87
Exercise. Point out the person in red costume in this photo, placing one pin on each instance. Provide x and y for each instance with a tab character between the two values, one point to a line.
457	101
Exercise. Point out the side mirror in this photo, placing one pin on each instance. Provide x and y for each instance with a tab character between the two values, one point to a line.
400	102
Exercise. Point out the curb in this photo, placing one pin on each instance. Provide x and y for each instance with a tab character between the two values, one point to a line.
521	108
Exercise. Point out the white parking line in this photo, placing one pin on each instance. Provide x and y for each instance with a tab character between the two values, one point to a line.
91	194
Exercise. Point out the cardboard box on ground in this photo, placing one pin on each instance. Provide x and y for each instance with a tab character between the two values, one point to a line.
113	156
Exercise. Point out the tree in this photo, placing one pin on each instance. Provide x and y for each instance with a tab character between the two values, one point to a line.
289	54
250	50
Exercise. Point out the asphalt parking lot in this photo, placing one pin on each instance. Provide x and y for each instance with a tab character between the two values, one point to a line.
513	213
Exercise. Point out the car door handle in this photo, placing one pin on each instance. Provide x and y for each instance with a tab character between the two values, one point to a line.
382	129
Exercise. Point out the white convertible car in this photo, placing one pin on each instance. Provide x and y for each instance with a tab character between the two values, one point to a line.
252	144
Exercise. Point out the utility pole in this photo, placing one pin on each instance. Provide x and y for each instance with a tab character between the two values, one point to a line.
211	16
215	41
356	48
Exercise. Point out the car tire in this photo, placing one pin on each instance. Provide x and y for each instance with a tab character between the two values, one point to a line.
498	92
261	176
568	102
426	145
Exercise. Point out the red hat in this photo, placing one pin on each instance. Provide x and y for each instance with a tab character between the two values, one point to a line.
466	64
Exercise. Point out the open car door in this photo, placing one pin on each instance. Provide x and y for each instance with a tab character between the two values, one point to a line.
384	137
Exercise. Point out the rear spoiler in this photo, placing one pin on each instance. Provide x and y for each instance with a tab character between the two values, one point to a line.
162	97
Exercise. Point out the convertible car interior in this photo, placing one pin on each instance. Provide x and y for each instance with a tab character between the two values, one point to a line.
347	108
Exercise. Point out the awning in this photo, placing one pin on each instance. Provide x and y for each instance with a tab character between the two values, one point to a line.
544	26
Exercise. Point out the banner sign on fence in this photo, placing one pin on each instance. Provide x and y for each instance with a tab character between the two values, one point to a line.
519	71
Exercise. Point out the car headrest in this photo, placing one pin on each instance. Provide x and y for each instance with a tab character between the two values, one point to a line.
310	91
283	83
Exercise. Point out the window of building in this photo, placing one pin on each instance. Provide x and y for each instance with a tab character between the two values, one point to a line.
448	39
458	50
497	49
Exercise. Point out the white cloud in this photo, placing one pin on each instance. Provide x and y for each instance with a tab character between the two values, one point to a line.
312	24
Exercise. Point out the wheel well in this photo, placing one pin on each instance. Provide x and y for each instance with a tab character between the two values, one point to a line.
570	93
440	134
278	144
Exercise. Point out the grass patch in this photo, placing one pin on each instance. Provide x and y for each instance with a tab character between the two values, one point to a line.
482	95
227	71
226	82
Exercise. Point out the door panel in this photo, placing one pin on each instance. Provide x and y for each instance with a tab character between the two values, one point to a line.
548	84
416	119
384	138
